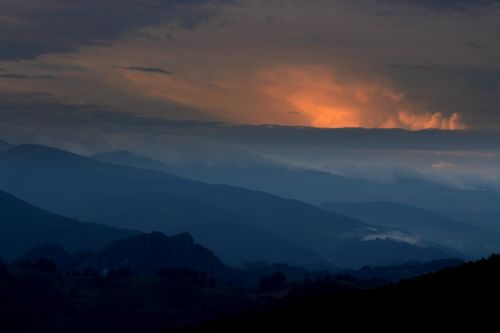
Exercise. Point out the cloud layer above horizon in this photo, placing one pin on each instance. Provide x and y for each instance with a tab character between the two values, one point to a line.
376	64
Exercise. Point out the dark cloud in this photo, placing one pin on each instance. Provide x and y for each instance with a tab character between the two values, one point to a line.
477	46
52	116
30	28
359	138
408	67
192	19
155	70
440	63
43	110
386	13
13	76
57	67
16	76
461	5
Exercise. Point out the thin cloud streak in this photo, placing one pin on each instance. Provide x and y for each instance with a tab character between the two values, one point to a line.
154	70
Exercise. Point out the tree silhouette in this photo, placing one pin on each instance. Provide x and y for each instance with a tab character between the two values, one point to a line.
119	273
274	282
3	271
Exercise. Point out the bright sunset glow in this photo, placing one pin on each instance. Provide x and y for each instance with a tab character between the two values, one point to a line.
331	102
290	95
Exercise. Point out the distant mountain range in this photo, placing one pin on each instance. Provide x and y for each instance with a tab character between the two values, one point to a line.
239	225
130	159
314	186
23	226
475	206
424	224
4	145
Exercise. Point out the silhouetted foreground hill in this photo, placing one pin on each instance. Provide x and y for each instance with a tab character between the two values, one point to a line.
141	283
396	273
36	297
239	225
143	254
146	253
26	306
450	298
23	226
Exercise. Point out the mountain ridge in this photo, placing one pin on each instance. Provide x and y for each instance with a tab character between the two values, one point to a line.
4	145
142	254
464	237
33	226
145	200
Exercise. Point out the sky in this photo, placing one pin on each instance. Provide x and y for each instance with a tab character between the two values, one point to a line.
337	63
217	78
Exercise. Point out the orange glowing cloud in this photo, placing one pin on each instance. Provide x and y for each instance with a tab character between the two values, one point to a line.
310	95
330	101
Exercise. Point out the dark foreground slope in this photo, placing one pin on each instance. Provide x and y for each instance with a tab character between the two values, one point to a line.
27	309
37	298
451	298
23	226
142	283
